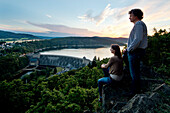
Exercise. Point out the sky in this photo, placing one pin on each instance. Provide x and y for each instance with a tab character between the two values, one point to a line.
108	18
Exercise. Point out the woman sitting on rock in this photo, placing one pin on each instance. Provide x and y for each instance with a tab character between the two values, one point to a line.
112	70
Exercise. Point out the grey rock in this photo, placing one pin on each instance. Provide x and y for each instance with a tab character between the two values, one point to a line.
140	103
163	88
117	106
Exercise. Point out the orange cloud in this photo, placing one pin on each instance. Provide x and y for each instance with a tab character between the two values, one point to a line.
156	14
66	29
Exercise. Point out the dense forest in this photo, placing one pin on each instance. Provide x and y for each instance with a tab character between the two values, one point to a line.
70	42
158	52
10	64
14	36
9	69
73	91
61	43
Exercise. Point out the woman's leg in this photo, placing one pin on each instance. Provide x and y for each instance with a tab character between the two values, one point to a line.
101	82
106	72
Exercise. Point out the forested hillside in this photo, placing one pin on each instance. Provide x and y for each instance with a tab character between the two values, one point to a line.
73	42
76	90
72	91
15	36
7	35
158	52
60	43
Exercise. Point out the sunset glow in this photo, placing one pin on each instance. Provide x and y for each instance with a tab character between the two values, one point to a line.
81	18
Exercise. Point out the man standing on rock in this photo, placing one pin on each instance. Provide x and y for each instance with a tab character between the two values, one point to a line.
137	44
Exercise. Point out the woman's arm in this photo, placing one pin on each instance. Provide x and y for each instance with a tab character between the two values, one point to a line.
103	66
111	60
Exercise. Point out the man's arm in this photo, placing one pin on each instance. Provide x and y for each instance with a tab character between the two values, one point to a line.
138	36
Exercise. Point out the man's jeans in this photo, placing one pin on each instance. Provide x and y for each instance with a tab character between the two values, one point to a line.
134	59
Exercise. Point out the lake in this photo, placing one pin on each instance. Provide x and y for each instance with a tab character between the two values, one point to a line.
80	53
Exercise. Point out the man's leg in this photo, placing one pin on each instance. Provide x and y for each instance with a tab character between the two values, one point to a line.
125	59
134	67
137	81
139	56
126	68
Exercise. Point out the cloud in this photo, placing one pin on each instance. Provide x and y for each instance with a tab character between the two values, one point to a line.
65	29
2	25
117	30
9	27
98	18
49	16
156	14
157	11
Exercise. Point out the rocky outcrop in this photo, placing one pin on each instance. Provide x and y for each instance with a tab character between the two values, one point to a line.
145	103
140	103
112	95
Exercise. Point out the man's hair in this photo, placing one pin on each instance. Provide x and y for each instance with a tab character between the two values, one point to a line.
137	12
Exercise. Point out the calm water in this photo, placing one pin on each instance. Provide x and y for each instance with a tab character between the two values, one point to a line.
88	53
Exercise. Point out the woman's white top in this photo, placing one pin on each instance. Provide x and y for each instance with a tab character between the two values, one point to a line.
116	77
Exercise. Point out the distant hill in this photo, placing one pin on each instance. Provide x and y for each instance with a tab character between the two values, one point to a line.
85	41
74	40
121	40
47	34
12	35
70	42
47	37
